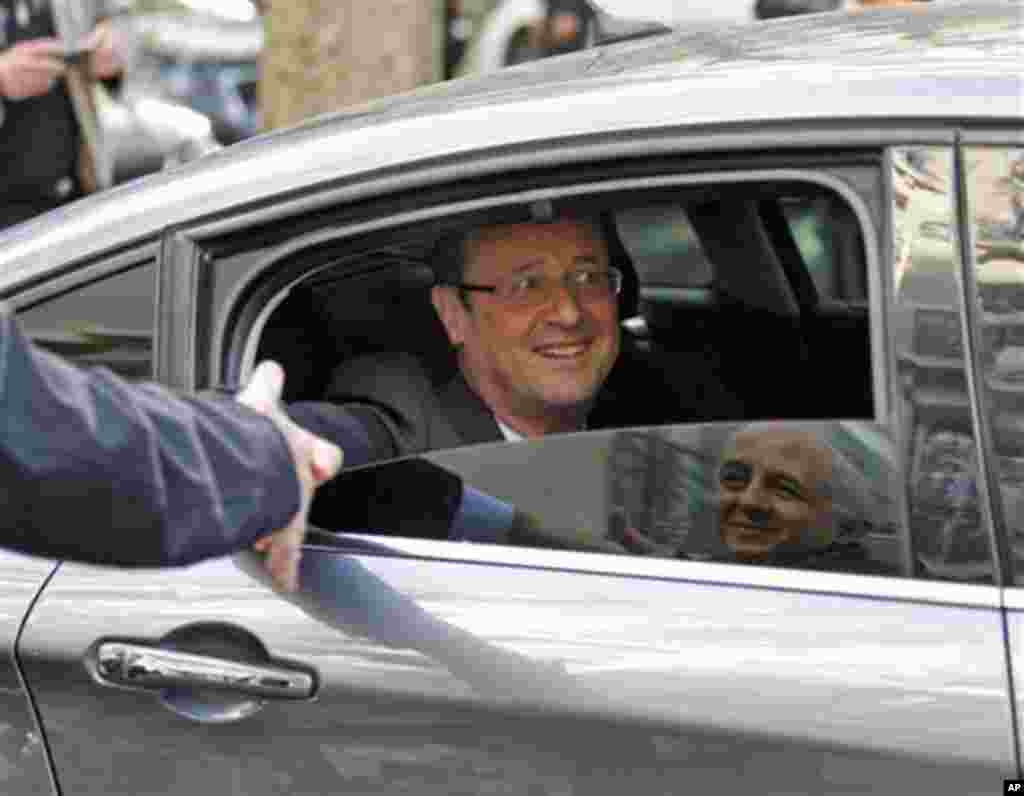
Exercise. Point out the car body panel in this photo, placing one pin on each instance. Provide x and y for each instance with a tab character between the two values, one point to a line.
675	85
24	768
512	18
457	676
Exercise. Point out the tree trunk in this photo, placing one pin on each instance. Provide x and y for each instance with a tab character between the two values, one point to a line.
323	55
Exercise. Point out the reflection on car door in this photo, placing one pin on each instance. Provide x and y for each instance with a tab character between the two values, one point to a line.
461	668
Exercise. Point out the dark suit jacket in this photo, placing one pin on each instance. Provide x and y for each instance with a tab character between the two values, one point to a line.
381	406
93	469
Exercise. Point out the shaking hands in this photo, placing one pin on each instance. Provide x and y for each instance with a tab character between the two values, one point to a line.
315	460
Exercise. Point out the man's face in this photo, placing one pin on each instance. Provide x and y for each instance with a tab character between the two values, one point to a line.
770	492
533	365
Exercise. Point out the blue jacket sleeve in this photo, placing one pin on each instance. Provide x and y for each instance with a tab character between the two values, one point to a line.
96	470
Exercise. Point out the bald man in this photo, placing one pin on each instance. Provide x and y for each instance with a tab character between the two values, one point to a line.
776	501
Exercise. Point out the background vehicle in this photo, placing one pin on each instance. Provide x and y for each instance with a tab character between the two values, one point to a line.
206	63
506	36
764	233
147	134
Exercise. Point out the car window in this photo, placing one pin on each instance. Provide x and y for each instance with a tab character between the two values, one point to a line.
821	496
108	322
663	243
950	531
995	188
739	390
669	253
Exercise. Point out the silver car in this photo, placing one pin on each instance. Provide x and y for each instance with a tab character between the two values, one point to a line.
824	214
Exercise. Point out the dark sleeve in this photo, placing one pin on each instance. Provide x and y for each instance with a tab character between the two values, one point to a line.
357	429
394	395
96	470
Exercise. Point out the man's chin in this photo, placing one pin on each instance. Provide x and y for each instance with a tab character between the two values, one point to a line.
750	547
556	397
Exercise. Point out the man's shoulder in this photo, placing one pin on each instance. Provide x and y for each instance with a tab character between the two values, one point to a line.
425	409
386	371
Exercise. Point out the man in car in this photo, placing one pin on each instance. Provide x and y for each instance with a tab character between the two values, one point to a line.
532	312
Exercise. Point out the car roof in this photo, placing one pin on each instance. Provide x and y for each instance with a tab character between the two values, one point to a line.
905	63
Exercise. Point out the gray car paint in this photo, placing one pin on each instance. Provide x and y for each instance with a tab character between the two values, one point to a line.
23	762
559	682
872	68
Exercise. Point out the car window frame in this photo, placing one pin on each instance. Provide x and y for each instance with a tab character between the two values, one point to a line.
196	246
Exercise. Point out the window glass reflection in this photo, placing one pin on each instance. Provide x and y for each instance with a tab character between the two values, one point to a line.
947	532
995	189
108	322
819	496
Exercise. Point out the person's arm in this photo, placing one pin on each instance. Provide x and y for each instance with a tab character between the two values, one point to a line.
96	470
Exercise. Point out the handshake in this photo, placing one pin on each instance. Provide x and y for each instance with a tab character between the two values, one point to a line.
316	461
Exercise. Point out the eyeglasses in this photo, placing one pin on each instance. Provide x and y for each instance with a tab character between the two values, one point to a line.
525	291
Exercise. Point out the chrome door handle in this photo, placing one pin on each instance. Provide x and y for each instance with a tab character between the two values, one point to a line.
156	669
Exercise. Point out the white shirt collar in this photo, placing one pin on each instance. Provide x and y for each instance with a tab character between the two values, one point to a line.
510	434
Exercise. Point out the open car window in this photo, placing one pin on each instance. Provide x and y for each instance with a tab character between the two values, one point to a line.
668	251
728	287
745	318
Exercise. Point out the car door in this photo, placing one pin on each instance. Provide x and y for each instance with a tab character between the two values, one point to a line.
24	767
105	318
448	666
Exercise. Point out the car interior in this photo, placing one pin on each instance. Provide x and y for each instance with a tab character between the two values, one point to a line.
755	285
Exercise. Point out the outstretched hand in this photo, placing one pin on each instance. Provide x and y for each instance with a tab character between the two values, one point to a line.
315	460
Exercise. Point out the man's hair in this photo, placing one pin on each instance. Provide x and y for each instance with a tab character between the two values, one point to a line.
451	254
449	258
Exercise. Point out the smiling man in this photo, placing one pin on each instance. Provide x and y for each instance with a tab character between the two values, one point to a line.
774	492
534	321
531	309
787	497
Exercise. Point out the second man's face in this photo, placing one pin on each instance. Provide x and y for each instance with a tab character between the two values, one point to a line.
770	493
547	358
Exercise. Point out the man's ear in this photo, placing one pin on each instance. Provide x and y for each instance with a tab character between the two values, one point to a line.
452	312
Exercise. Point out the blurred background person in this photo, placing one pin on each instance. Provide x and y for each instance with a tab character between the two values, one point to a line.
50	50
